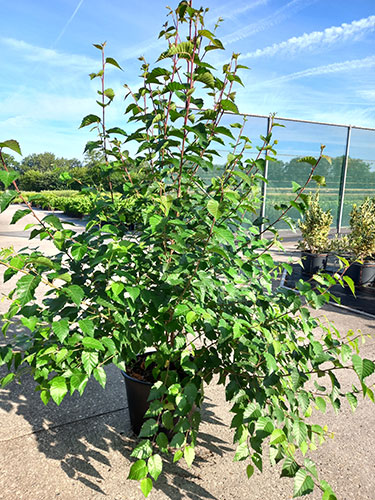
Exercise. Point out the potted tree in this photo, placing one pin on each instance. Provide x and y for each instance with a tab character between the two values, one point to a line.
362	243
189	296
314	227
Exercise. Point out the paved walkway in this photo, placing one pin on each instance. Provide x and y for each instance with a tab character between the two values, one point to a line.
81	449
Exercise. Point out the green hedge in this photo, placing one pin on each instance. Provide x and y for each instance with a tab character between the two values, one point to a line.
75	203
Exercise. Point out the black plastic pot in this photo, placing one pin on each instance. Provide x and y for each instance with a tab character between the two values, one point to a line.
137	392
313	262
362	274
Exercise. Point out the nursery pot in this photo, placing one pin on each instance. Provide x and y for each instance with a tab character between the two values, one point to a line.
313	262
137	392
362	274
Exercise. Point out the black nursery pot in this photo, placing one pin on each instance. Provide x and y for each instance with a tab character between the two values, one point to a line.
313	262
362	274
138	392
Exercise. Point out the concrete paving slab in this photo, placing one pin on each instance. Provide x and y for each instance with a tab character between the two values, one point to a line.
22	411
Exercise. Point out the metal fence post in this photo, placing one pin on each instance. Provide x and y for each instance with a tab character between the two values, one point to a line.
344	172
264	183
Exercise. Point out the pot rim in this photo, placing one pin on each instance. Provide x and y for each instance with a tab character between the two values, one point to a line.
126	375
321	254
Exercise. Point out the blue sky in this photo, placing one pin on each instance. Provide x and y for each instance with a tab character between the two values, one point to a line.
309	59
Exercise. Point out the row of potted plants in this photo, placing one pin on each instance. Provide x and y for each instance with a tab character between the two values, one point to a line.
355	250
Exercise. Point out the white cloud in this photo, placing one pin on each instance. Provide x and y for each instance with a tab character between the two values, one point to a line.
369	95
268	22
328	36
52	57
351	65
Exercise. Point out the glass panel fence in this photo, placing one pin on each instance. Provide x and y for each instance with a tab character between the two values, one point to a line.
297	139
360	180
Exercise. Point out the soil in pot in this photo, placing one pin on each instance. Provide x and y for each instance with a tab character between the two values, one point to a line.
138	382
362	274
313	262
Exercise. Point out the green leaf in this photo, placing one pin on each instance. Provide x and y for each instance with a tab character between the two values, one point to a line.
206	78
321	404
87	326
252	412
11	144
138	470
300	431
308	159
311	467
362	367
242	452
295	186
117	287
61	329
155	466
290	468
7	379
213	208
30	323
146	486
25	288
58	389
53	221
133	291
329	495
91	343
303	484
277	436
264	424
167	420
76	293
350	283
19	214
183	48
191	316
207	34
100	375
88	120
78	251
6	199
7	177
352	400
228	105
61	355
110	60
149	428
142	450
189	455
78	382
90	361
319	179
162	441
110	93
178	455
249	471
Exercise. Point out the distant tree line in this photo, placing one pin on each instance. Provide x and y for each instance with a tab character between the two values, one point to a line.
41	172
359	176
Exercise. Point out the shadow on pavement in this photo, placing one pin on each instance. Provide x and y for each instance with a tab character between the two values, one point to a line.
86	434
